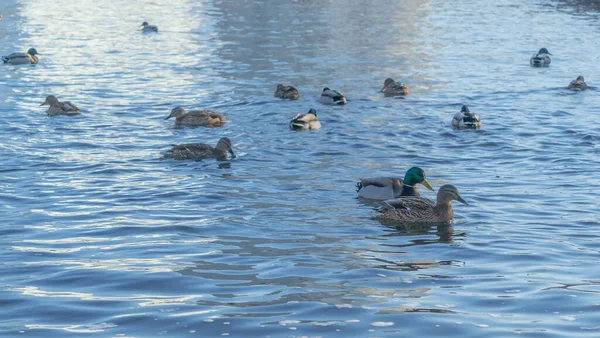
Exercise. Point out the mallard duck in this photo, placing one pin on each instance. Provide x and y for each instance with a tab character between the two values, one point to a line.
148	27
393	88
22	58
541	58
59	108
206	118
308	121
422	210
383	188
287	92
578	84
198	151
330	96
466	120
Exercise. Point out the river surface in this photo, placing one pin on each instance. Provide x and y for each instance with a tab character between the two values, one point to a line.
101	237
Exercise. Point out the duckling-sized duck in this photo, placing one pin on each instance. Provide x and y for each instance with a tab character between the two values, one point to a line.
466	120
207	118
148	28
393	88
198	151
59	108
384	188
422	210
287	92
330	96
578	84
22	58
541	58
308	121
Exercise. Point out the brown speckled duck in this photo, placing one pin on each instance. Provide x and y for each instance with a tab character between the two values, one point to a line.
198	151
393	88
578	84
59	108
287	92
207	118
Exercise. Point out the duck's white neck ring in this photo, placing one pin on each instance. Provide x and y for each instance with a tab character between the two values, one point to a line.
406	185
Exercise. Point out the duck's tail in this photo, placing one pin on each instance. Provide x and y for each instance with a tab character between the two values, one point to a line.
5	59
358	186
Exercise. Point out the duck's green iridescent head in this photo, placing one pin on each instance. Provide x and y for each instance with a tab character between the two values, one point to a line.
544	51
145	23
416	175
32	51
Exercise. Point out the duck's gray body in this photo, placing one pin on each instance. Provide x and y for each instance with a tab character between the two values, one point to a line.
198	151
21	58
308	121
466	120
332	97
541	58
147	28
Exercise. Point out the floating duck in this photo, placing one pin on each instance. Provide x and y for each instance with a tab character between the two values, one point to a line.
22	58
308	121
578	84
287	92
59	108
393	88
422	210
466	120
384	188
148	27
198	151
207	118
541	58
330	96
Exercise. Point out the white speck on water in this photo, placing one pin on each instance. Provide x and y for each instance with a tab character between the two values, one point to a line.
567	318
353	321
382	324
288	321
209	320
381	275
482	325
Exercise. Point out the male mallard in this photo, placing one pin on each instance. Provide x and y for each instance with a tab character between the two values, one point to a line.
198	151
393	88
465	119
206	118
287	92
383	188
59	108
148	27
541	58
422	210
330	96
22	58
578	84
308	121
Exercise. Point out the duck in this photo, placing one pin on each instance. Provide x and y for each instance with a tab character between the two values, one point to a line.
578	84
148	27
308	121
541	58
207	118
466	120
385	188
199	151
330	96
288	92
393	88
422	210
59	108
22	58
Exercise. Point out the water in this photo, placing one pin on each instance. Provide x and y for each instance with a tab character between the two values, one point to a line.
102	238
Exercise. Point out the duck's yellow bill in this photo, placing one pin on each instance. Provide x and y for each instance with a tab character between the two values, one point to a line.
427	185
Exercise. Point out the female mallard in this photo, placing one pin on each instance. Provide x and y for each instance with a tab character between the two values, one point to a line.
22	58
578	84
422	210
393	88
466	120
59	108
541	58
148	28
308	121
287	92
206	118
198	151
330	96
383	188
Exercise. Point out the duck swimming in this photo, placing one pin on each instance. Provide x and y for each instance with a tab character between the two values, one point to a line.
422	210
541	58
330	96
466	120
22	58
393	88
287	92
308	121
59	108
148	27
198	151
384	188
578	84
207	118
